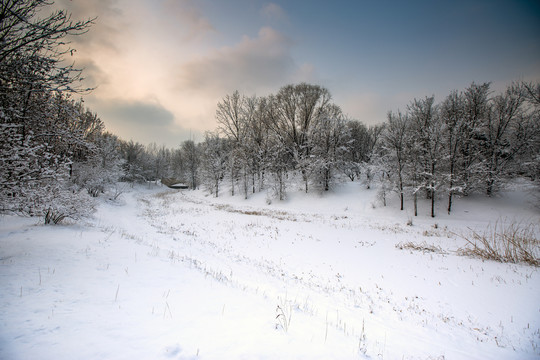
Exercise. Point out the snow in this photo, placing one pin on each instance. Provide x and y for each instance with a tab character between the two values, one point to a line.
169	274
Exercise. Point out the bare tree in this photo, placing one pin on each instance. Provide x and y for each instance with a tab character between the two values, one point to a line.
394	140
427	130
214	161
298	108
500	146
476	112
192	160
329	147
453	115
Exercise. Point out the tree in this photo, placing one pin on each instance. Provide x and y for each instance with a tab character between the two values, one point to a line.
452	116
232	123
531	154
279	158
39	120
192	160
214	161
427	130
358	148
476	112
33	47
394	141
298	108
102	167
134	166
329	147
258	137
500	145
373	140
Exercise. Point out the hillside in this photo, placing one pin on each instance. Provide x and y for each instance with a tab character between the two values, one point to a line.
178	274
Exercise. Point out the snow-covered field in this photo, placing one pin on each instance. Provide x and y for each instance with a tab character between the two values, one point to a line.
177	274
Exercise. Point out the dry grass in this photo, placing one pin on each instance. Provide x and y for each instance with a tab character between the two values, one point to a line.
504	242
423	247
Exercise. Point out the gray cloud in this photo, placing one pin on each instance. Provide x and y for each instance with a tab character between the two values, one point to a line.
260	63
141	121
92	73
137	112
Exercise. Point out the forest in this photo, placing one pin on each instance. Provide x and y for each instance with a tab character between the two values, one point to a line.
56	155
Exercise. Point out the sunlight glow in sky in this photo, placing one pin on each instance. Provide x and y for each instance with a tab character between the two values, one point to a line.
161	66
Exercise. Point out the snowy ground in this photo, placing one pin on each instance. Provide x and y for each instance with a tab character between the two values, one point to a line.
177	274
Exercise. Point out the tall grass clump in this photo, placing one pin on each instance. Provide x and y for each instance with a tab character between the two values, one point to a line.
512	242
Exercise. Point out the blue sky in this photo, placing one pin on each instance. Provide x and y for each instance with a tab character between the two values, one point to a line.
160	67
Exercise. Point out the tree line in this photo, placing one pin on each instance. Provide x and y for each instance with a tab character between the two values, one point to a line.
472	141
55	154
475	140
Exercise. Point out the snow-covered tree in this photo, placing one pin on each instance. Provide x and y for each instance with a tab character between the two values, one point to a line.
531	154
214	161
394	142
427	131
505	135
297	109
329	149
102	167
233	125
39	121
453	116
358	148
192	158
137	164
476	112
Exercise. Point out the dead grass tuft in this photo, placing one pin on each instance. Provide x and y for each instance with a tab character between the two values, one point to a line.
513	242
423	247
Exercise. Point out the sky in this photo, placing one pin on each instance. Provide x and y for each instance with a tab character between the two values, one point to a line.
159	67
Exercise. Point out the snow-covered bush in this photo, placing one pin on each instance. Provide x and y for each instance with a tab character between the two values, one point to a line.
67	203
102	168
34	181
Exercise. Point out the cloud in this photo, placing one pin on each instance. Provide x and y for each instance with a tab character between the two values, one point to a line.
272	11
93	75
142	121
254	63
370	108
102	41
108	24
257	65
185	13
137	112
139	50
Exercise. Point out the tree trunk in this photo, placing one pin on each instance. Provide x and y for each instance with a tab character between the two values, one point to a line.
326	180
280	186
450	193
232	181
246	184
401	192
433	200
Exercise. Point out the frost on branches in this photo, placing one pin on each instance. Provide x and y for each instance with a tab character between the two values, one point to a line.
34	181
